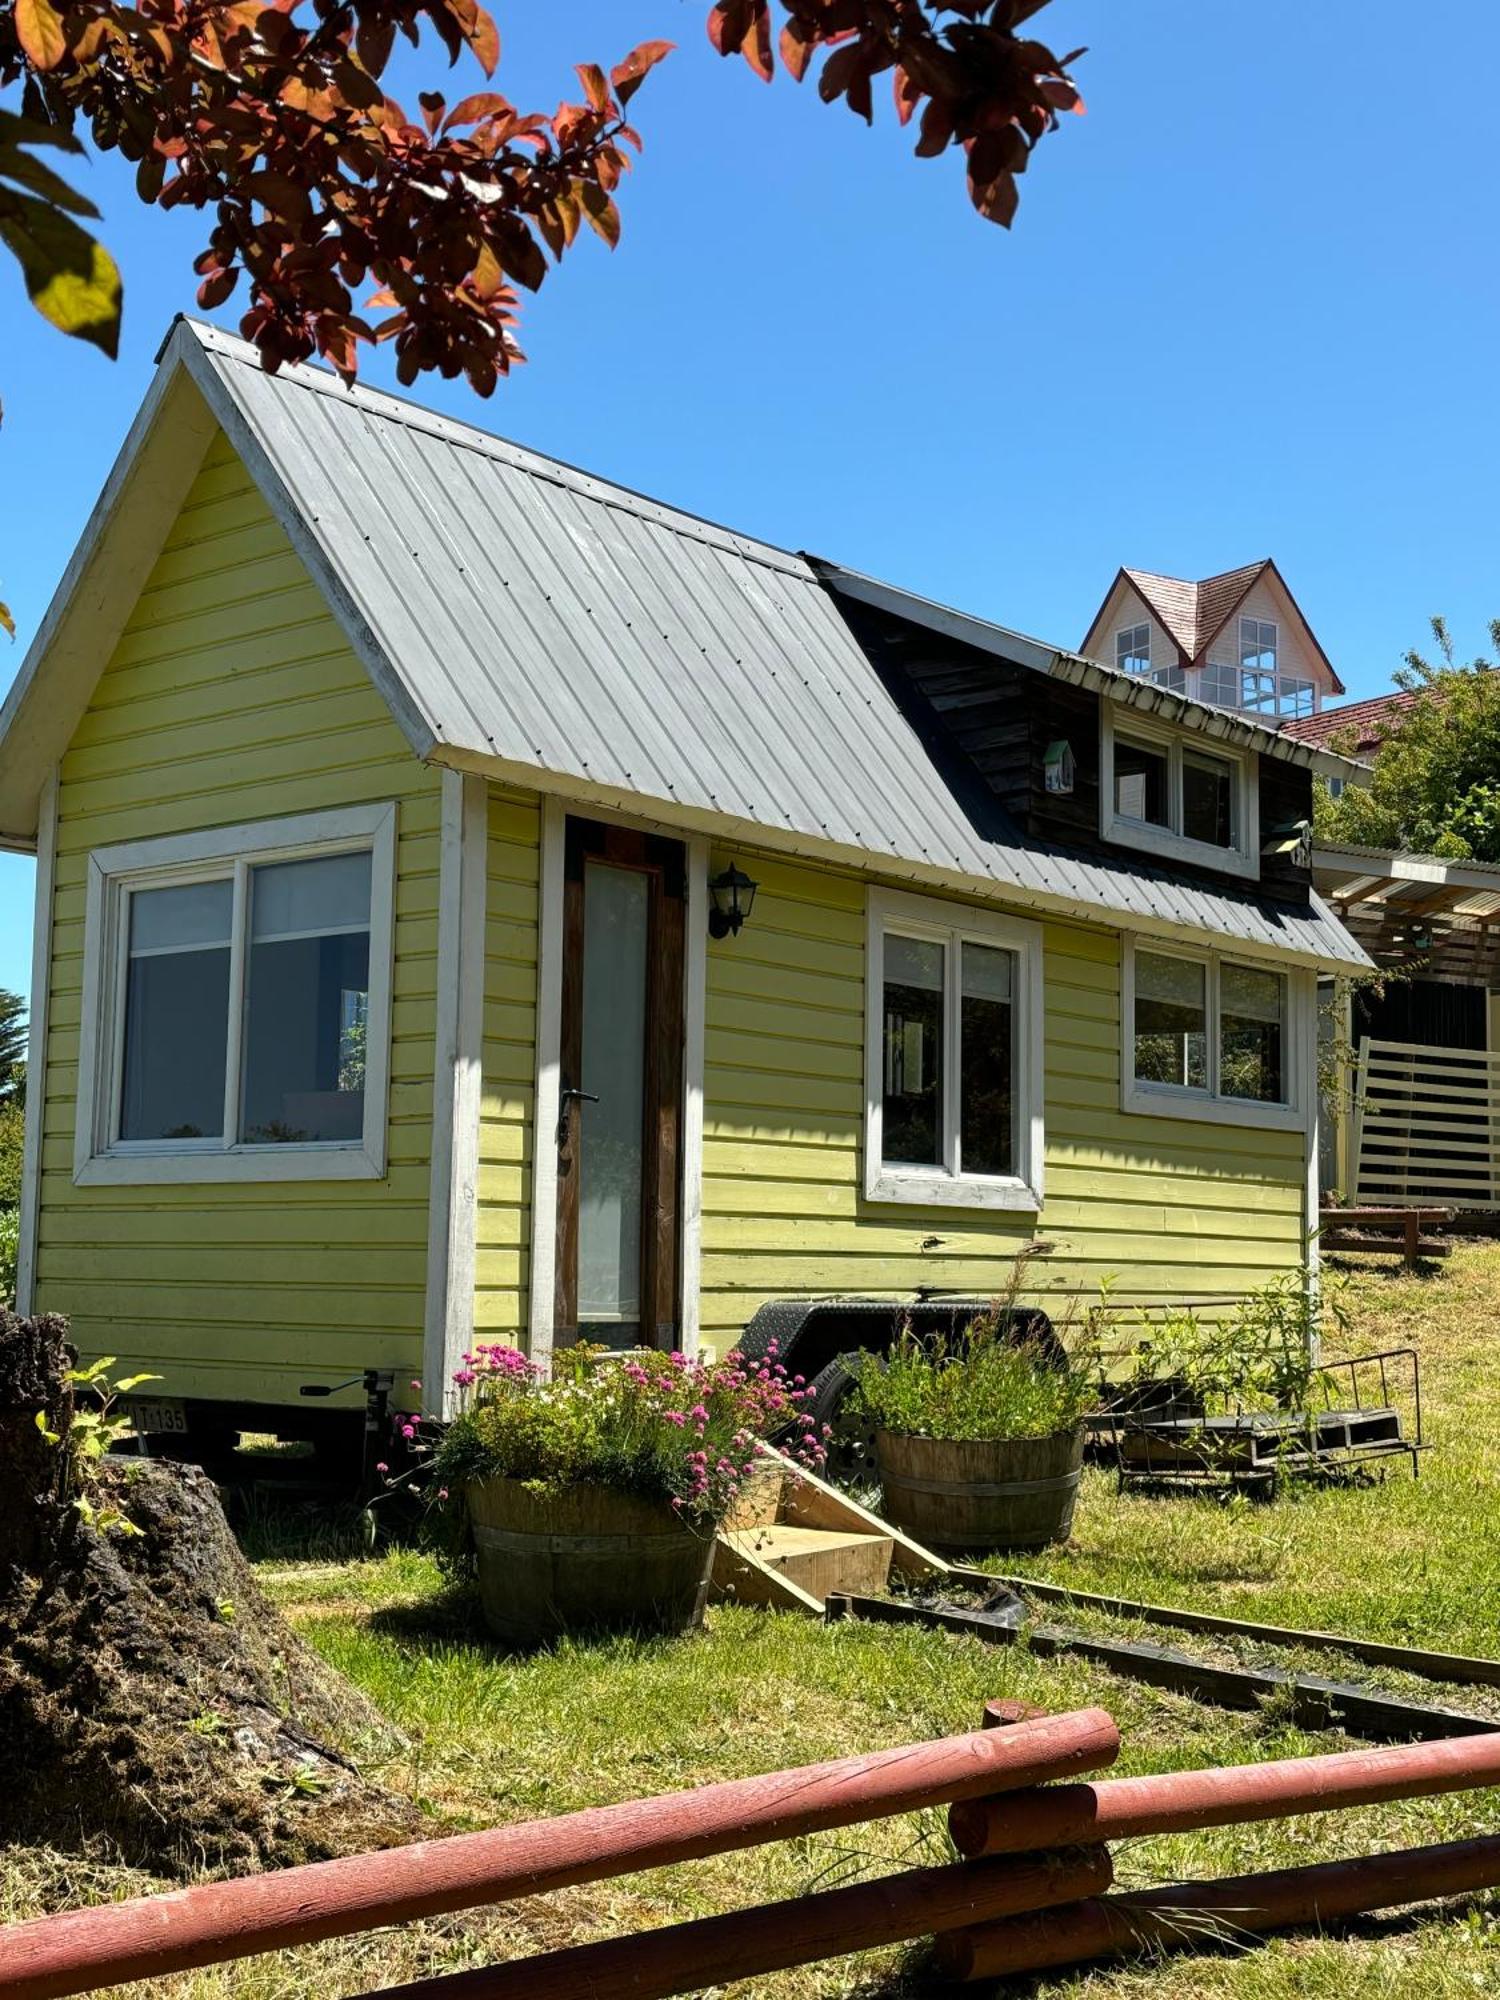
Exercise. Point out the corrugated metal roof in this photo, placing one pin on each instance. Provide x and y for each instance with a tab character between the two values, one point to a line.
523	616
547	619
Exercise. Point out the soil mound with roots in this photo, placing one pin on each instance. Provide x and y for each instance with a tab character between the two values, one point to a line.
152	1699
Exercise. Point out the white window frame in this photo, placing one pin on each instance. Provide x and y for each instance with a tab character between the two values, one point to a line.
1125	632
102	1159
952	925
1176	1100
1169	842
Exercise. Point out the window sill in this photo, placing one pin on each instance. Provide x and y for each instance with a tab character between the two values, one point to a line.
915	1189
1169	846
1162	1101
294	1163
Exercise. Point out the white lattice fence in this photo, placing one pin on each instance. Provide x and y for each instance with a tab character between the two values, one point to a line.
1427	1126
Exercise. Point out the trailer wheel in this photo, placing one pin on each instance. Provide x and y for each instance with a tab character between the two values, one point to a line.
851	1448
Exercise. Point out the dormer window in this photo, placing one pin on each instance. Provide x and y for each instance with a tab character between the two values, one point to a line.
1133	649
1175	796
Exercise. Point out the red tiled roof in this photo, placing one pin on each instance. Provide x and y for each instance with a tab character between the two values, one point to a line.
1367	719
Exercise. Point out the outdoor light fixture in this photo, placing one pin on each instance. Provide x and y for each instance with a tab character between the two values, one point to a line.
733	899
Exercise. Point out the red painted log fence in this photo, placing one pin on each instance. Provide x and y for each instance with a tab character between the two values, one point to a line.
1030	1892
79	1950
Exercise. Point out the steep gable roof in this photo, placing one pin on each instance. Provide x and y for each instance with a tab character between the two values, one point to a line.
526	620
1194	614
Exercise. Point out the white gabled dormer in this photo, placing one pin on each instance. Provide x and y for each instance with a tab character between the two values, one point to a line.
1237	641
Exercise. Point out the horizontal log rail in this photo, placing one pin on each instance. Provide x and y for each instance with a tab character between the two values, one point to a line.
1198	1913
1181	1801
79	1950
747	1944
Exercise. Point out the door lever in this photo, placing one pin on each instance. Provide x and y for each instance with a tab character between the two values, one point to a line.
565	1097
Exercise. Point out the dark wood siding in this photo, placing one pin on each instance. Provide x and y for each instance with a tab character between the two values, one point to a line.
987	722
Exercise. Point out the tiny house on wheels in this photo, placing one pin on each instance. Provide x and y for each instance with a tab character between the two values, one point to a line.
475	901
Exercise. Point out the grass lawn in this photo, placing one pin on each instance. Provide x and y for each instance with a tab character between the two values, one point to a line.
494	1738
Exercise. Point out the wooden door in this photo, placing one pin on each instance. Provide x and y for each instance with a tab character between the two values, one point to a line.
619	1150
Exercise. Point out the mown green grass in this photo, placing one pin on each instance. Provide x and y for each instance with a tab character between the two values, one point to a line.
494	1738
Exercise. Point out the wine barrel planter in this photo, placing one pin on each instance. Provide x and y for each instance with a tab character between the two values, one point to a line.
1014	1493
584	1559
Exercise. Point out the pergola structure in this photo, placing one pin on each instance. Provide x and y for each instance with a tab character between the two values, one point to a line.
1417	914
1422	1123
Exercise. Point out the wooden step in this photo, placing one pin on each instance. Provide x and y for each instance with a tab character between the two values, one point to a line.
821	1559
813	1561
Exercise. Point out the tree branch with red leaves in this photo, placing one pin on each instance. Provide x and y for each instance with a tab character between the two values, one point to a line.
273	122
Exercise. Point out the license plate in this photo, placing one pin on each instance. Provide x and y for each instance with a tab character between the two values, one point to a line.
161	1417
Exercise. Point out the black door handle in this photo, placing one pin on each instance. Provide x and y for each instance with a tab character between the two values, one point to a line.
565	1097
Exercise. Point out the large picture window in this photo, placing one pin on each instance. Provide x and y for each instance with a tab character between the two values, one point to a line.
1208	1036
237	996
953	1099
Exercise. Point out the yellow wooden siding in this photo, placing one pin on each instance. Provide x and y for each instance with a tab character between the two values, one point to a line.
503	1229
233	696
1160	1207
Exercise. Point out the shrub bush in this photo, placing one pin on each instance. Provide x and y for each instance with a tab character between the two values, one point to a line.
10	1245
977	1386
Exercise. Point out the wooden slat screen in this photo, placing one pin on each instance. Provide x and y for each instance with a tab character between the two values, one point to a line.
1427	1126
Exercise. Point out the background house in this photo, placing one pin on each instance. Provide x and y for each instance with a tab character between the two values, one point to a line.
1237	641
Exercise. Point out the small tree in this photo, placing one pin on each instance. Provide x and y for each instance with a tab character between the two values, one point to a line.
1436	784
12	1047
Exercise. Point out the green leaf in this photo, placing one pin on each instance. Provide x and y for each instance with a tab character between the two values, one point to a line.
70	278
19	166
80	1376
41	1424
128	1382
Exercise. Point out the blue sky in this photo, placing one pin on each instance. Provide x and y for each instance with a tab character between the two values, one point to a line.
1248	309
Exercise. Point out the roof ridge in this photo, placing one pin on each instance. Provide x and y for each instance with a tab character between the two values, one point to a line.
522	458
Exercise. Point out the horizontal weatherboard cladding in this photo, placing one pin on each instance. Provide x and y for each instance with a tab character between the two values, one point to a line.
232	697
1150	1208
506	1134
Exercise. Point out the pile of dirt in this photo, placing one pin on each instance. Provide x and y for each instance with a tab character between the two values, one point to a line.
152	1699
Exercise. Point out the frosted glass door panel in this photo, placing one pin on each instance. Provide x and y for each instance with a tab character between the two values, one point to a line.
616	925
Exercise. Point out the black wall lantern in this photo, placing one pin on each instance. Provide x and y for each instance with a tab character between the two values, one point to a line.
733	899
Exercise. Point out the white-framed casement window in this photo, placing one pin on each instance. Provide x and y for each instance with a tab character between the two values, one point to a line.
953	1055
1166	793
1210	1036
237	1002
